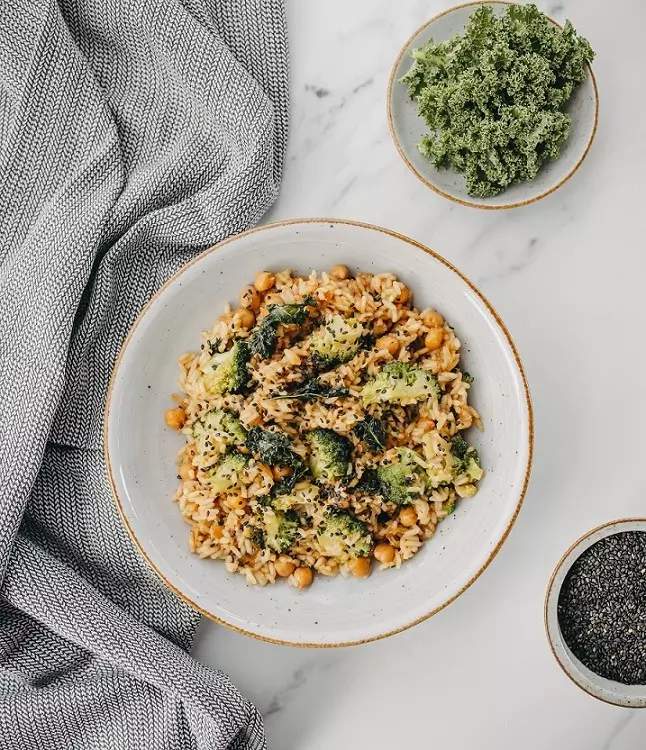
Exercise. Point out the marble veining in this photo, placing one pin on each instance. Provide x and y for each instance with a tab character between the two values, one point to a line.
566	274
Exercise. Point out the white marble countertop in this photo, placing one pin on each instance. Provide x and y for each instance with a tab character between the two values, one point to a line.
566	274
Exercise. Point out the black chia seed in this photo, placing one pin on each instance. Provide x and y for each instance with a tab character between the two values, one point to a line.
602	608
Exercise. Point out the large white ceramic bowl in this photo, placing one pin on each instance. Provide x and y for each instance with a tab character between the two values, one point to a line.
407	127
141	450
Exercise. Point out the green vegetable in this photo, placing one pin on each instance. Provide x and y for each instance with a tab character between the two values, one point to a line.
449	507
274	448
399	381
228	371
225	476
337	341
372	431
330	454
369	483
493	98
465	459
305	499
403	480
218	426
280	528
342	532
312	390
264	337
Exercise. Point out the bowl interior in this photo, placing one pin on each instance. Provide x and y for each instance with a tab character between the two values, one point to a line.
632	696
408	128
141	451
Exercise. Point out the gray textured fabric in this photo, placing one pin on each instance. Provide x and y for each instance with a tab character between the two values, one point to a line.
133	133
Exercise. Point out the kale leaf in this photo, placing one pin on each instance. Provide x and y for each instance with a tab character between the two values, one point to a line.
264	338
372	431
312	390
274	448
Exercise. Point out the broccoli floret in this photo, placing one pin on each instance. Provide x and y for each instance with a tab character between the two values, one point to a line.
448	507
336	341
330	454
372	431
228	371
465	459
342	532
401	481
225	475
264	338
400	381
306	498
274	448
281	528
218	426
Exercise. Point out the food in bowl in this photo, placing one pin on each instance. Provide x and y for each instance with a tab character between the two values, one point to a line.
494	98
324	423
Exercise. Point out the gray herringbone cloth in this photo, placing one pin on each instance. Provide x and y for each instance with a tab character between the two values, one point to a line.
133	133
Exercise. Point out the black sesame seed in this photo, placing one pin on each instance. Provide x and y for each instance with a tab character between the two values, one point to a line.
602	608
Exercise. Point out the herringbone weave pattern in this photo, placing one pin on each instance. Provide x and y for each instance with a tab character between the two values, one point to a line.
133	133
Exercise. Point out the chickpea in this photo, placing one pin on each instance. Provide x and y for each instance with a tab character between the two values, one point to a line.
404	295
245	317
175	418
389	343
264	281
185	471
284	568
280	472
432	318
237	502
339	272
408	516
433	339
425	425
250	298
384	553
303	577
359	567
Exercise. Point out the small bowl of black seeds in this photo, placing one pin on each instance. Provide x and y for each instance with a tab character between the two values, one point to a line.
595	613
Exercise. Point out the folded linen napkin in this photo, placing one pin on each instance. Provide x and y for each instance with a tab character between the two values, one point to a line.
133	133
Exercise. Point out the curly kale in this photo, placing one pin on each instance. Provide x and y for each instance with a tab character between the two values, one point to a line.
311	390
372	431
264	339
493	99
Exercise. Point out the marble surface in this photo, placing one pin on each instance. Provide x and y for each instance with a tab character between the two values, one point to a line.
566	274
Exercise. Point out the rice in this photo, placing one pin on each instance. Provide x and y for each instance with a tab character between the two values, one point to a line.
229	525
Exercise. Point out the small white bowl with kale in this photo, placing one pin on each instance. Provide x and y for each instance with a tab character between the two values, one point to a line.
433	335
493	105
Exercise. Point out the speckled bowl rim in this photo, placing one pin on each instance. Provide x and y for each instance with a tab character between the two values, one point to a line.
490	309
552	629
435	188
